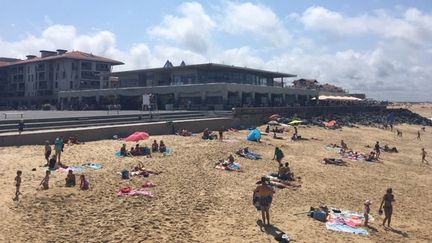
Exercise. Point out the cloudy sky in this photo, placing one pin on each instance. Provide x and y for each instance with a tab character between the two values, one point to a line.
380	47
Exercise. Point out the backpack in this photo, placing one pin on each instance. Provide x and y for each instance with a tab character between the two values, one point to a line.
125	174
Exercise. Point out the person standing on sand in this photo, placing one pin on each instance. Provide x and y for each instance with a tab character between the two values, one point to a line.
18	185
424	154
58	147
263	197
367	212
377	150
418	135
278	155
387	201
47	151
221	131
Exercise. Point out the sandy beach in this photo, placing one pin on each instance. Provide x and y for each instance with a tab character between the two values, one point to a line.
193	202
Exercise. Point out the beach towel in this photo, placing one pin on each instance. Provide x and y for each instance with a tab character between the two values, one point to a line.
233	167
168	152
134	192
251	155
118	154
74	168
94	166
347	221
254	135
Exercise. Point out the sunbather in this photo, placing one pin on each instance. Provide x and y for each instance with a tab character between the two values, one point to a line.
275	136
45	181
123	150
84	183
184	133
73	140
155	146
333	161
162	147
70	179
344	145
208	135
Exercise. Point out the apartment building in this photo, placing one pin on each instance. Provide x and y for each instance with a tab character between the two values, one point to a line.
37	80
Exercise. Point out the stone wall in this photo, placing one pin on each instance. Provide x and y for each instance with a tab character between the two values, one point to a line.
107	132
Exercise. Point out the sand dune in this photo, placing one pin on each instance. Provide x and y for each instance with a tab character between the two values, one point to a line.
196	203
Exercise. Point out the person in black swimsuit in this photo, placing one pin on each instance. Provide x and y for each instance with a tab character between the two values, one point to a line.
387	201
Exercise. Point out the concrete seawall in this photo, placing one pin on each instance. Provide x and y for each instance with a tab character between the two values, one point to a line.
107	132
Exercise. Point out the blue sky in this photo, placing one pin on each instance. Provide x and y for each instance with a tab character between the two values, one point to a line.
381	48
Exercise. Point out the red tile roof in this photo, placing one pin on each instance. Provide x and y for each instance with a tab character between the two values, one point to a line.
71	55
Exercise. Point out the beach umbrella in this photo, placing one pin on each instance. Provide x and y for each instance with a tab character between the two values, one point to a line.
274	117
295	122
274	123
331	123
137	136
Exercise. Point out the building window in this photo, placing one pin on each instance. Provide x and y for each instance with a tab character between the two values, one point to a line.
56	85
40	67
86	66
64	74
102	67
71	85
41	76
73	66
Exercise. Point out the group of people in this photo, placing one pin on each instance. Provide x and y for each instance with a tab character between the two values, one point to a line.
210	135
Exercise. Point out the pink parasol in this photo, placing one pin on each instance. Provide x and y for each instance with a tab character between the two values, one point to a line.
274	117
137	136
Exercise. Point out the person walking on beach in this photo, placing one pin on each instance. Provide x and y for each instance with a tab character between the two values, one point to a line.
18	185
221	132
399	133
263	197
21	126
418	135
387	202
278	155
47	151
424	154
377	150
366	212
58	147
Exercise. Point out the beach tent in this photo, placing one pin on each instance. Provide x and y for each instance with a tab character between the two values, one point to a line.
294	122
137	136
254	135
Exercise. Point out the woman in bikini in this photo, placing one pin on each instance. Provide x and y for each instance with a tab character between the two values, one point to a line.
263	197
387	201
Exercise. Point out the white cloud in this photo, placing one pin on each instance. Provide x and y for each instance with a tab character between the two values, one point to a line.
396	65
192	29
256	19
413	27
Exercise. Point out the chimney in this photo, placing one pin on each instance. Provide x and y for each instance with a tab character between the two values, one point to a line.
29	57
61	51
45	53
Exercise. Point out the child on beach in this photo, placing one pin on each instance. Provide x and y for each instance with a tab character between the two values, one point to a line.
366	212
155	146
18	184
47	151
45	181
84	183
70	179
162	147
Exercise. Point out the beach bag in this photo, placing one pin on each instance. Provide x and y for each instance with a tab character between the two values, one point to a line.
125	174
320	216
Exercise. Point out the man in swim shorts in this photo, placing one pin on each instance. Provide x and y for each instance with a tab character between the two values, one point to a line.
263	197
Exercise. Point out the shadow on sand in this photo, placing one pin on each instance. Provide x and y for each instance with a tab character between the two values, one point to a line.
270	230
399	232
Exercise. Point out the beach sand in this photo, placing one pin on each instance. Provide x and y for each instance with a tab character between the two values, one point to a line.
194	202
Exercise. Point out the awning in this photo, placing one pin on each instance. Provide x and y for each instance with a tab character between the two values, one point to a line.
331	97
